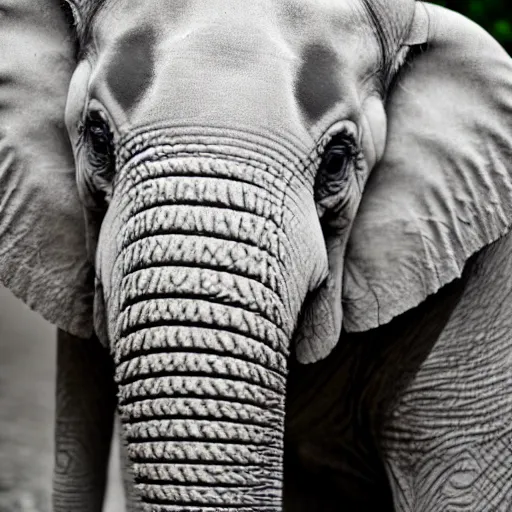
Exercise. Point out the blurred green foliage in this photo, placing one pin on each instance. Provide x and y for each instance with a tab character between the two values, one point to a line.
494	15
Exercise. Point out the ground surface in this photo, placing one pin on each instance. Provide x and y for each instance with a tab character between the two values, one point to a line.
27	366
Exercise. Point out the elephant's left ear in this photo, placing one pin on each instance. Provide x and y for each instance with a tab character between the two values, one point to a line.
443	189
42	236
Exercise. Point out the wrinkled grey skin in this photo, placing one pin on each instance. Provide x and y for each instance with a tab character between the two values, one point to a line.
264	185
428	395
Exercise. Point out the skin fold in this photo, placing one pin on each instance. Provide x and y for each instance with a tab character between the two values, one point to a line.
279	249
420	407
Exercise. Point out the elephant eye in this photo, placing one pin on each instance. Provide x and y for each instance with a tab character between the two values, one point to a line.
334	170
98	139
336	161
96	161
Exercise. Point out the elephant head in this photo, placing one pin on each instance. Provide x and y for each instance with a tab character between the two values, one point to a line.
213	185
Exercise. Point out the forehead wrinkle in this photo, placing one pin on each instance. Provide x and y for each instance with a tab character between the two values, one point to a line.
386	26
88	12
102	20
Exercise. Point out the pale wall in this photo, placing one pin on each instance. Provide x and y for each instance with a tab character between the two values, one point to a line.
27	372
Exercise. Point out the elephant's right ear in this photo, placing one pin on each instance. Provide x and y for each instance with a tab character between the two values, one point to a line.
42	236
443	189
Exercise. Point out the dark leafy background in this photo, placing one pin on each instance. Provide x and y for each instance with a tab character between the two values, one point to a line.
494	15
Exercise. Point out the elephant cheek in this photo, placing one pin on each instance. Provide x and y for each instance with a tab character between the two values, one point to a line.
320	327
107	291
99	314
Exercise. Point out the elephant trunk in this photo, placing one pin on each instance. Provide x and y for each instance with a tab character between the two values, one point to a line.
204	420
203	320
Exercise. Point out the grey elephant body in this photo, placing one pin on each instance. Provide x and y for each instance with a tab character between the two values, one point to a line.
421	407
236	188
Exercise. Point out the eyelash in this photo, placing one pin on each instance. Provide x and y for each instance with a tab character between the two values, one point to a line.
346	138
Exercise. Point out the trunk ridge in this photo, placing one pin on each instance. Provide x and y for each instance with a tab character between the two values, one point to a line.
205	296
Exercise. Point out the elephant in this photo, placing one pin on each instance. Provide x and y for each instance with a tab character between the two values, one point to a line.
274	237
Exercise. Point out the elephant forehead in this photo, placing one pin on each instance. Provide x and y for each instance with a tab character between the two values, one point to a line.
209	70
282	65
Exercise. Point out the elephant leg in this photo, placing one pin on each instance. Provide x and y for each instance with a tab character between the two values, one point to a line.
86	400
448	441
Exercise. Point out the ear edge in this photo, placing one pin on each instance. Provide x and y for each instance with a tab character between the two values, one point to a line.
36	56
368	314
420	28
